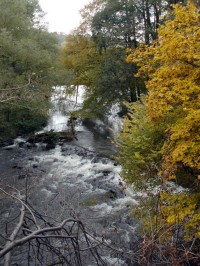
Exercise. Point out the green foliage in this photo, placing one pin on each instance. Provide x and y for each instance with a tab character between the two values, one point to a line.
80	56
27	122
140	144
108	77
115	23
112	82
123	23
19	119
27	55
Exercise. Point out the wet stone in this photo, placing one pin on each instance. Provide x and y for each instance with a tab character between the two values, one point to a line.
21	144
50	146
29	145
7	143
115	191
106	173
70	150
17	167
130	221
21	176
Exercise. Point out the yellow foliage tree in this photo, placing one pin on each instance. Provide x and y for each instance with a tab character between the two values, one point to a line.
80	55
172	66
182	209
161	139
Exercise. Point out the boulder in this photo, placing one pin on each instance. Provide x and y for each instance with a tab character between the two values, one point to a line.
114	190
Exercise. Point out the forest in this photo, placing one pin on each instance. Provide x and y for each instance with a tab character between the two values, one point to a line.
142	56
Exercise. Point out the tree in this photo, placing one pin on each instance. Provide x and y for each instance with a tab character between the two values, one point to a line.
140	144
27	53
79	55
173	68
107	76
112	82
115	25
163	132
127	22
87	14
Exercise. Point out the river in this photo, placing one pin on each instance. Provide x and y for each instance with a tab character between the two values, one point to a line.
78	177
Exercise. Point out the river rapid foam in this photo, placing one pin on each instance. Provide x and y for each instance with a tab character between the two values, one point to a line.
79	177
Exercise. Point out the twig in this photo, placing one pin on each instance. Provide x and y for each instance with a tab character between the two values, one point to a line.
25	205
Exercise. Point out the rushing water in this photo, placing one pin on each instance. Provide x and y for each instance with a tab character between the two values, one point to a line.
79	176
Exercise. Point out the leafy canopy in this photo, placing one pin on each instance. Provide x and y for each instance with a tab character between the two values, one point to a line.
163	130
140	144
173	68
27	55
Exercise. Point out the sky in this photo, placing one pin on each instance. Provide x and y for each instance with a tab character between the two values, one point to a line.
62	15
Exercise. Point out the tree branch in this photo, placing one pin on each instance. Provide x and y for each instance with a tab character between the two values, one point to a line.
13	236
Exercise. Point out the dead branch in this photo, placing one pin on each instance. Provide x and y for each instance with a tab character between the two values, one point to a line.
21	201
65	241
7	100
13	236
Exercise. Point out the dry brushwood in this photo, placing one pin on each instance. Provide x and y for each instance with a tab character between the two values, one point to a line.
65	242
49	242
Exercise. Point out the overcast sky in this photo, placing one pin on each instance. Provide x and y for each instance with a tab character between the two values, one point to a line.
62	15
